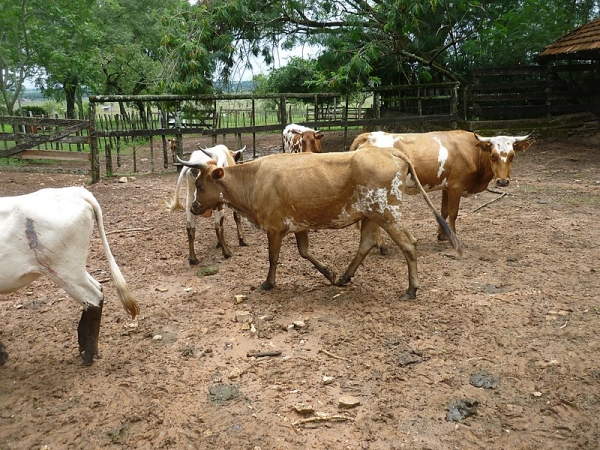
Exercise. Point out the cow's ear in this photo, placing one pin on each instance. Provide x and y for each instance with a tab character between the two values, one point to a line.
522	145
319	135
484	146
218	173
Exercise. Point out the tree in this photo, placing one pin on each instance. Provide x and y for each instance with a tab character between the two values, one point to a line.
399	41
17	21
67	49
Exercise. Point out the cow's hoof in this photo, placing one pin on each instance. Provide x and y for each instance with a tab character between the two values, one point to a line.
3	355
442	237
227	255
343	280
87	358
409	295
243	243
266	286
194	262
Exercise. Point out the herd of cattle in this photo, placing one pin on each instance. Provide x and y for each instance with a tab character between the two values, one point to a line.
48	232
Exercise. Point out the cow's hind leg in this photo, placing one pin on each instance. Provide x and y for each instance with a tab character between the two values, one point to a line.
368	240
3	354
274	239
380	245
88	292
302	242
408	244
88	332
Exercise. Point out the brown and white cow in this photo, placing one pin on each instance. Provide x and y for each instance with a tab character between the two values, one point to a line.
224	157
459	163
300	139
48	233
295	193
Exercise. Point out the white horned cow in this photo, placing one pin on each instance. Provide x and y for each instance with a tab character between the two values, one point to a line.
225	157
459	163
299	139
295	193
48	233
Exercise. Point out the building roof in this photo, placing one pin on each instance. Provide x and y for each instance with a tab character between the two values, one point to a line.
583	40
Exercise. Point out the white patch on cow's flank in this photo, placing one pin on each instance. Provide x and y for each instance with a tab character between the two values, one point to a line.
396	186
376	200
442	157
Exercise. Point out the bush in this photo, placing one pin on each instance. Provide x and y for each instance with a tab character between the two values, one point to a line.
35	111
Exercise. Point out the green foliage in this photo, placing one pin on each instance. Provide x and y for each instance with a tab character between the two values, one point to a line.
34	110
77	47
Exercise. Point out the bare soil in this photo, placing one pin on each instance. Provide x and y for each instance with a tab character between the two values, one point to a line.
520	310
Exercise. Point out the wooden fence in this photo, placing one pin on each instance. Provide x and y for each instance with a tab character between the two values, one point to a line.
163	116
119	125
509	93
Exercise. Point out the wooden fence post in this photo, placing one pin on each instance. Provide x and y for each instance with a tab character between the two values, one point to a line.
93	137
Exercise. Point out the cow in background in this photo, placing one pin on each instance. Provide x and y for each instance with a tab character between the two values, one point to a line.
225	157
457	162
48	233
295	193
300	139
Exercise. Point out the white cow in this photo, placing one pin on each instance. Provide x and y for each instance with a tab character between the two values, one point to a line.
224	157
48	233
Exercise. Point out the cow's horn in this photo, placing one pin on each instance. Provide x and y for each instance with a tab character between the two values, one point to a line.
481	138
524	138
190	164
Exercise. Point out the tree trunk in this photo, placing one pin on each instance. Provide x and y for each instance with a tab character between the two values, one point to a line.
70	87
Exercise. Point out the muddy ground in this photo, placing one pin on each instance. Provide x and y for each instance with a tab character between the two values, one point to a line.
520	310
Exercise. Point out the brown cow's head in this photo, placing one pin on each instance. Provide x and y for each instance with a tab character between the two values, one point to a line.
311	140
207	196
501	150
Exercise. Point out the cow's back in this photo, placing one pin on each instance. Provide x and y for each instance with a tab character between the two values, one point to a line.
439	157
316	189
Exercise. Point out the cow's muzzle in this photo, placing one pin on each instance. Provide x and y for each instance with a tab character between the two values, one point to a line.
502	182
197	210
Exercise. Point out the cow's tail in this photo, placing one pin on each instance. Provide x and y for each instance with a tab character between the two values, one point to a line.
175	203
125	296
456	244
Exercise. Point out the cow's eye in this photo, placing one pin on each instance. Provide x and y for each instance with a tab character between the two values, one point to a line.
494	157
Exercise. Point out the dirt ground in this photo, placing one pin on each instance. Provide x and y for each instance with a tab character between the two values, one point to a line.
519	311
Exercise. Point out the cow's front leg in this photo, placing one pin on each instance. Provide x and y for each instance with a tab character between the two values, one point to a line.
240	229
369	231
219	221
302	243
3	354
191	234
274	239
449	211
88	332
